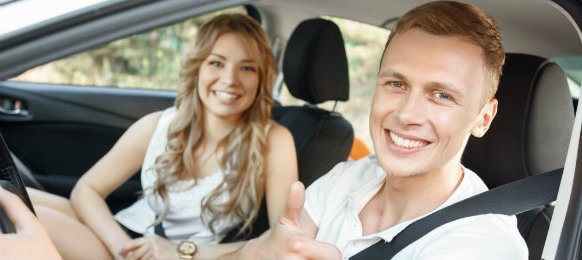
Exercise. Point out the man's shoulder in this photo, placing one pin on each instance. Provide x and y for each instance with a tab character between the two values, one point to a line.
490	236
352	174
331	191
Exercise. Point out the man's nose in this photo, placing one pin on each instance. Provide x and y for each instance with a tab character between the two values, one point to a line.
412	109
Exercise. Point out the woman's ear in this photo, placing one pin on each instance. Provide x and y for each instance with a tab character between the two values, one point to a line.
485	118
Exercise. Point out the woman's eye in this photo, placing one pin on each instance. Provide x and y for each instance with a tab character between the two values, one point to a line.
215	63
248	68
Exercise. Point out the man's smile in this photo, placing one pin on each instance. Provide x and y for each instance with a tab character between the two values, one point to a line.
406	143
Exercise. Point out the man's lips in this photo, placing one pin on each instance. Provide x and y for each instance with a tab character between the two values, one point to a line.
407	143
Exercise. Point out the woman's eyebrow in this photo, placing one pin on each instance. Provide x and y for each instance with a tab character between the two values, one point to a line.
251	60
217	55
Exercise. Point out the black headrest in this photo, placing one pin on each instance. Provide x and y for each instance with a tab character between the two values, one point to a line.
315	66
531	132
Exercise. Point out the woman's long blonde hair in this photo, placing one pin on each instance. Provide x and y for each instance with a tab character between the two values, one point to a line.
243	149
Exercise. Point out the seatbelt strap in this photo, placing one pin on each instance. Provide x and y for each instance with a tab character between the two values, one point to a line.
159	229
509	199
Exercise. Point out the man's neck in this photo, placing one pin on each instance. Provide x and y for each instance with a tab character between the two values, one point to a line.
406	198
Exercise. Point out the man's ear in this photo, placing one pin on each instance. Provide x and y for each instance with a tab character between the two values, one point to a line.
485	118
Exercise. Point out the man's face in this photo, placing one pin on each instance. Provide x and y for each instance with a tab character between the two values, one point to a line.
427	102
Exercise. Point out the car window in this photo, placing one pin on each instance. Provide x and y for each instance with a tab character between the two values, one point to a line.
364	44
38	12
149	60
572	66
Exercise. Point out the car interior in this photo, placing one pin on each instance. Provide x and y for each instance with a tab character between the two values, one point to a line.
518	133
530	135
315	70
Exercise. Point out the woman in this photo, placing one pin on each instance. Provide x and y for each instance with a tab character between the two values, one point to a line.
206	162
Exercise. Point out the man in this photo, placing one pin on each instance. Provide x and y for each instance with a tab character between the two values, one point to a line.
436	85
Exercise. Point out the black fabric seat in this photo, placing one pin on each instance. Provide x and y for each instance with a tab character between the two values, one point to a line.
315	70
530	135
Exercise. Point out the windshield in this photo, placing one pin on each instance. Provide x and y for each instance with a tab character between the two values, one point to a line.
17	15
572	66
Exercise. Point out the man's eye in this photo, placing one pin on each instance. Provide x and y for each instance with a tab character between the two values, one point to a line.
396	84
443	96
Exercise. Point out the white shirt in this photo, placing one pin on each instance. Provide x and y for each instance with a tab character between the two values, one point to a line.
334	201
183	220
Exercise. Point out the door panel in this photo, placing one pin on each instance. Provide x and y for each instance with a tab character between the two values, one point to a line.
64	130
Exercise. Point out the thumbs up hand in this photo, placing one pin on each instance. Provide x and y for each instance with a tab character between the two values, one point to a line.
292	214
286	240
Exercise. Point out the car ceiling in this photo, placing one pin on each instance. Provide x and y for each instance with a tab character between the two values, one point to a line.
528	26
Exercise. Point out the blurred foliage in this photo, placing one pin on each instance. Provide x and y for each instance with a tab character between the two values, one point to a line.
147	60
152	60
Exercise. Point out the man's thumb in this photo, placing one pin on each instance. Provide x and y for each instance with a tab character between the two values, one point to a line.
294	206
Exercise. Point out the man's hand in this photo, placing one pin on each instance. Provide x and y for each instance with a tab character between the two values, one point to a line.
31	241
285	240
149	247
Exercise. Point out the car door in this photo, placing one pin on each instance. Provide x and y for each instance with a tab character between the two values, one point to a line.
58	132
60	117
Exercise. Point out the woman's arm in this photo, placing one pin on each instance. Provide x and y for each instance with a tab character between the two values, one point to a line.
281	170
113	169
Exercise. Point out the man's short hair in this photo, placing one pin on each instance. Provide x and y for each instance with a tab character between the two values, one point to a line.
451	18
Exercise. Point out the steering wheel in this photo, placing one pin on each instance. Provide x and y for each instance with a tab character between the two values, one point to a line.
11	181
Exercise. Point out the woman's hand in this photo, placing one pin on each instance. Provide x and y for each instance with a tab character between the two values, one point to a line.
149	247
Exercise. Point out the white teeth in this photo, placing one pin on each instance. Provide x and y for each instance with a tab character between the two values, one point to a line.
406	142
225	95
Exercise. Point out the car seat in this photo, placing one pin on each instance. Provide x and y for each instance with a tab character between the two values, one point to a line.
529	136
315	70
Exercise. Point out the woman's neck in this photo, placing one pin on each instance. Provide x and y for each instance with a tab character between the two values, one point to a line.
216	128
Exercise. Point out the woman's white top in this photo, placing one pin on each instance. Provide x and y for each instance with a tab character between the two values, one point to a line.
183	220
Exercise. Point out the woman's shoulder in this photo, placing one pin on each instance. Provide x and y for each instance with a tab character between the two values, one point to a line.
149	121
154	118
278	133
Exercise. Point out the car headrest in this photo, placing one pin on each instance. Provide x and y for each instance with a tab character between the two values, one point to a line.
315	66
531	132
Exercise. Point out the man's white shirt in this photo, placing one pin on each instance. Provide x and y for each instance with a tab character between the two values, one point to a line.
334	201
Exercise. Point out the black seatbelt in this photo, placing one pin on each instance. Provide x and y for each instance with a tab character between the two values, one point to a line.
509	199
159	229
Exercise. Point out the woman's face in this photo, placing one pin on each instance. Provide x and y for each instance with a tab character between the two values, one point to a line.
228	79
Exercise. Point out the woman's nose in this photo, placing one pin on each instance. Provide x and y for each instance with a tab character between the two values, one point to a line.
228	76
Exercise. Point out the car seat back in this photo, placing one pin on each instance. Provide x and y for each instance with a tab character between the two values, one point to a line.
529	135
315	70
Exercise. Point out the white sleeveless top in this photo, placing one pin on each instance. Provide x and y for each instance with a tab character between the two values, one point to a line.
183	220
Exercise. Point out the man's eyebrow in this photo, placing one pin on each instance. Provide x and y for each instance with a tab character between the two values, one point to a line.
446	87
224	58
392	74
434	84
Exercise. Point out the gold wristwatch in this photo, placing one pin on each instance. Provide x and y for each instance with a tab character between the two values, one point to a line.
186	250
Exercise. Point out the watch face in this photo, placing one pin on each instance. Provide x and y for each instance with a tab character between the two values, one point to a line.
187	248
